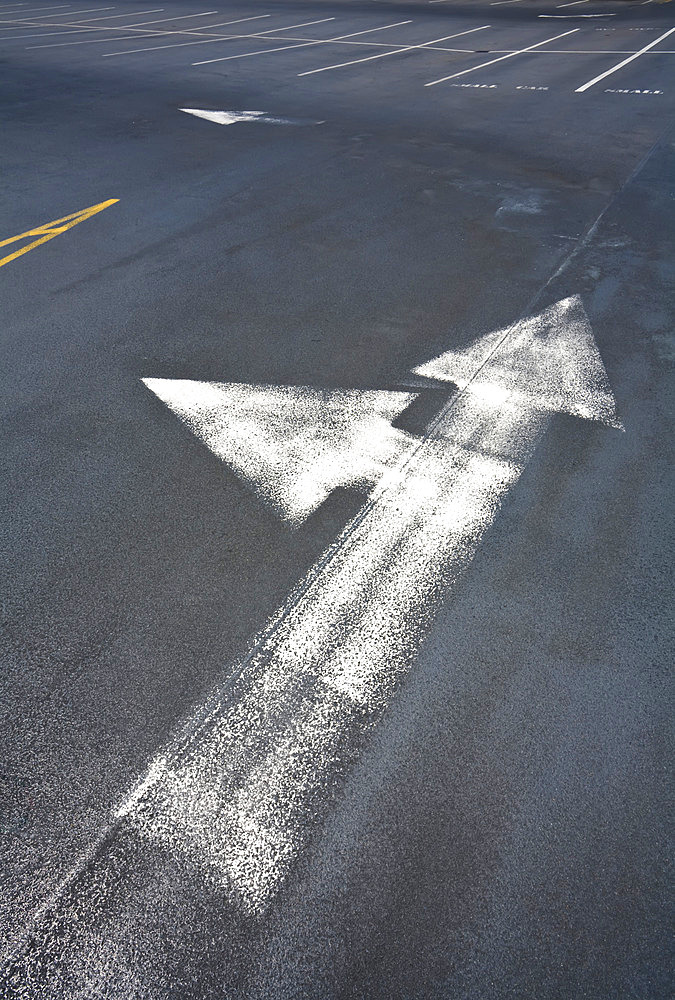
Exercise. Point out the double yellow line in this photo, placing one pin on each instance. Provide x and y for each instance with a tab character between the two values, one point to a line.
51	229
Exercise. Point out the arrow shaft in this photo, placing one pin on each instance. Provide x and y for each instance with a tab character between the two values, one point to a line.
239	796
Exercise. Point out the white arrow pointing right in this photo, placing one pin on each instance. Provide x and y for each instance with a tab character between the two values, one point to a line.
241	790
232	117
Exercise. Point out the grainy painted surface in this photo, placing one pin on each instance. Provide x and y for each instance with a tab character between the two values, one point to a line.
439	767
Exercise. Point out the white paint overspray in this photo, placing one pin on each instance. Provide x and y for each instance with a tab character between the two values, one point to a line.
294	445
242	788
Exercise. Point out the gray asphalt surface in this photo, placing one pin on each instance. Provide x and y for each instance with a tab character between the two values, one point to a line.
503	830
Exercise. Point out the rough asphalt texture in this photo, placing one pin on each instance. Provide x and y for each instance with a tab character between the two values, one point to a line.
505	831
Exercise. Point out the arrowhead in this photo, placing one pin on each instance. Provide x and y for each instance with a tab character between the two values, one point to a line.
293	445
229	117
550	359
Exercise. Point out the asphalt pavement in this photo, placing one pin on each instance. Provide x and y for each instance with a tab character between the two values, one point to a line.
347	676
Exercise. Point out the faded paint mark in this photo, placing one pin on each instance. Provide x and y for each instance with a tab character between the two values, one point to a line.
527	204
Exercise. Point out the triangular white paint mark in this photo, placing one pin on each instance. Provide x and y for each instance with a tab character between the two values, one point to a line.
550	360
232	117
293	445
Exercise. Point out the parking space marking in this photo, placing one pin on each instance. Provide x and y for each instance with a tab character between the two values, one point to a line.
70	13
624	62
397	52
301	45
88	20
141	33
33	10
17	24
51	229
491	62
215	38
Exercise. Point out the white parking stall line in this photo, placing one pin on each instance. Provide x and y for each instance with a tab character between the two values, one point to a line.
8	28
396	52
88	20
574	3
143	33
500	3
570	17
69	13
588	52
28	22
140	30
66	29
491	62
112	17
33	10
624	62
289	27
302	45
213	38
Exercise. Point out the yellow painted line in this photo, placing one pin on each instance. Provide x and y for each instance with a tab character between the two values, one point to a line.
51	229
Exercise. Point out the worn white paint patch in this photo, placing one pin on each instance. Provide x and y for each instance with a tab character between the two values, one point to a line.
293	445
239	792
551	360
526	204
232	117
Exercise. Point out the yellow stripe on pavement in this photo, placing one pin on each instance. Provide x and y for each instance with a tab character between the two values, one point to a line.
51	229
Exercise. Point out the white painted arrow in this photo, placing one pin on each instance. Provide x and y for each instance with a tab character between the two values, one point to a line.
550	361
241	788
232	117
293	445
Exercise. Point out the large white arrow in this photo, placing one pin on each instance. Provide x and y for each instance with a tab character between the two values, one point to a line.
240	791
232	117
